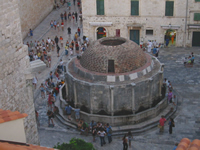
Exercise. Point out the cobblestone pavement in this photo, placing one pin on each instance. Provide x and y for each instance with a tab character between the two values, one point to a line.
185	80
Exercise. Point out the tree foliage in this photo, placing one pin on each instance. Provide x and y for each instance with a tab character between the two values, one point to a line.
75	144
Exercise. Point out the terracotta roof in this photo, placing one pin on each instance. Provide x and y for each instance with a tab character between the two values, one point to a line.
186	144
17	146
7	115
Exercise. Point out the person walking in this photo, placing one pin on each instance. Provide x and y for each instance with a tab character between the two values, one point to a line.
31	33
171	125
42	89
68	110
130	137
50	117
58	49
76	16
62	26
69	30
125	142
56	40
79	31
109	133
161	124
102	134
65	16
55	23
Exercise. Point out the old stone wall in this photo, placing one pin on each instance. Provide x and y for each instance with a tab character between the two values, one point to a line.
15	90
32	12
151	17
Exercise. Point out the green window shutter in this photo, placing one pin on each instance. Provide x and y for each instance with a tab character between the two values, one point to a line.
100	7
135	7
196	16
169	8
197	0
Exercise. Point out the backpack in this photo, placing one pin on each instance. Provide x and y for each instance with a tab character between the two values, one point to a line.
110	131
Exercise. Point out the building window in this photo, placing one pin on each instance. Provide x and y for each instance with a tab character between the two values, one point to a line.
169	8
197	0
117	32
196	16
100	7
149	32
134	7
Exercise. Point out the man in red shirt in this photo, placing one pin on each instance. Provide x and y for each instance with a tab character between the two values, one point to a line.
162	123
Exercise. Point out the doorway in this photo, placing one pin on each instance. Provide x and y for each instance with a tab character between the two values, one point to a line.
101	32
195	39
171	35
135	36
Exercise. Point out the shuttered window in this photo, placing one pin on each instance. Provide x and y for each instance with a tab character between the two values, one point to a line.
197	0
135	7
100	7
196	16
169	8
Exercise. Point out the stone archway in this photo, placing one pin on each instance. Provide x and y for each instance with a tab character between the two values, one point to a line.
101	32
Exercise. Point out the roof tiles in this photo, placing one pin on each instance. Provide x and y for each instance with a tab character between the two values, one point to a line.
9	146
7	115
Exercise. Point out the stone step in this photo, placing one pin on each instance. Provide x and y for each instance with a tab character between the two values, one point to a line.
121	130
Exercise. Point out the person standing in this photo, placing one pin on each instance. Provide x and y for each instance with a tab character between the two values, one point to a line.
62	16
169	96
109	132
130	137
74	2
162	123
50	116
76	16
58	49
68	110
69	30
31	33
61	41
77	113
56	40
79	31
55	23
37	118
171	125
176	144
62	26
65	16
35	82
125	142
102	134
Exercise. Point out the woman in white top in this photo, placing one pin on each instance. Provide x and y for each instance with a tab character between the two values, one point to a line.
34	81
58	25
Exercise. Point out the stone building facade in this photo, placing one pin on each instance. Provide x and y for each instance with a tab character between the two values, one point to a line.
32	12
143	20
15	83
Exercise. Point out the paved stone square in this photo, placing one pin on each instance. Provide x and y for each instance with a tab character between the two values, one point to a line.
185	81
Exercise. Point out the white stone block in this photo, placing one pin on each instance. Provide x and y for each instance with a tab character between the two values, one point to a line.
152	63
111	79
149	69
144	71
133	76
121	78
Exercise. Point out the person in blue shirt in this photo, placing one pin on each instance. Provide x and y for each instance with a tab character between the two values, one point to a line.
109	133
154	51
68	110
175	146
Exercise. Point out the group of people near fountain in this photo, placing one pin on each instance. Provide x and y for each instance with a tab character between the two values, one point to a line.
171	99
